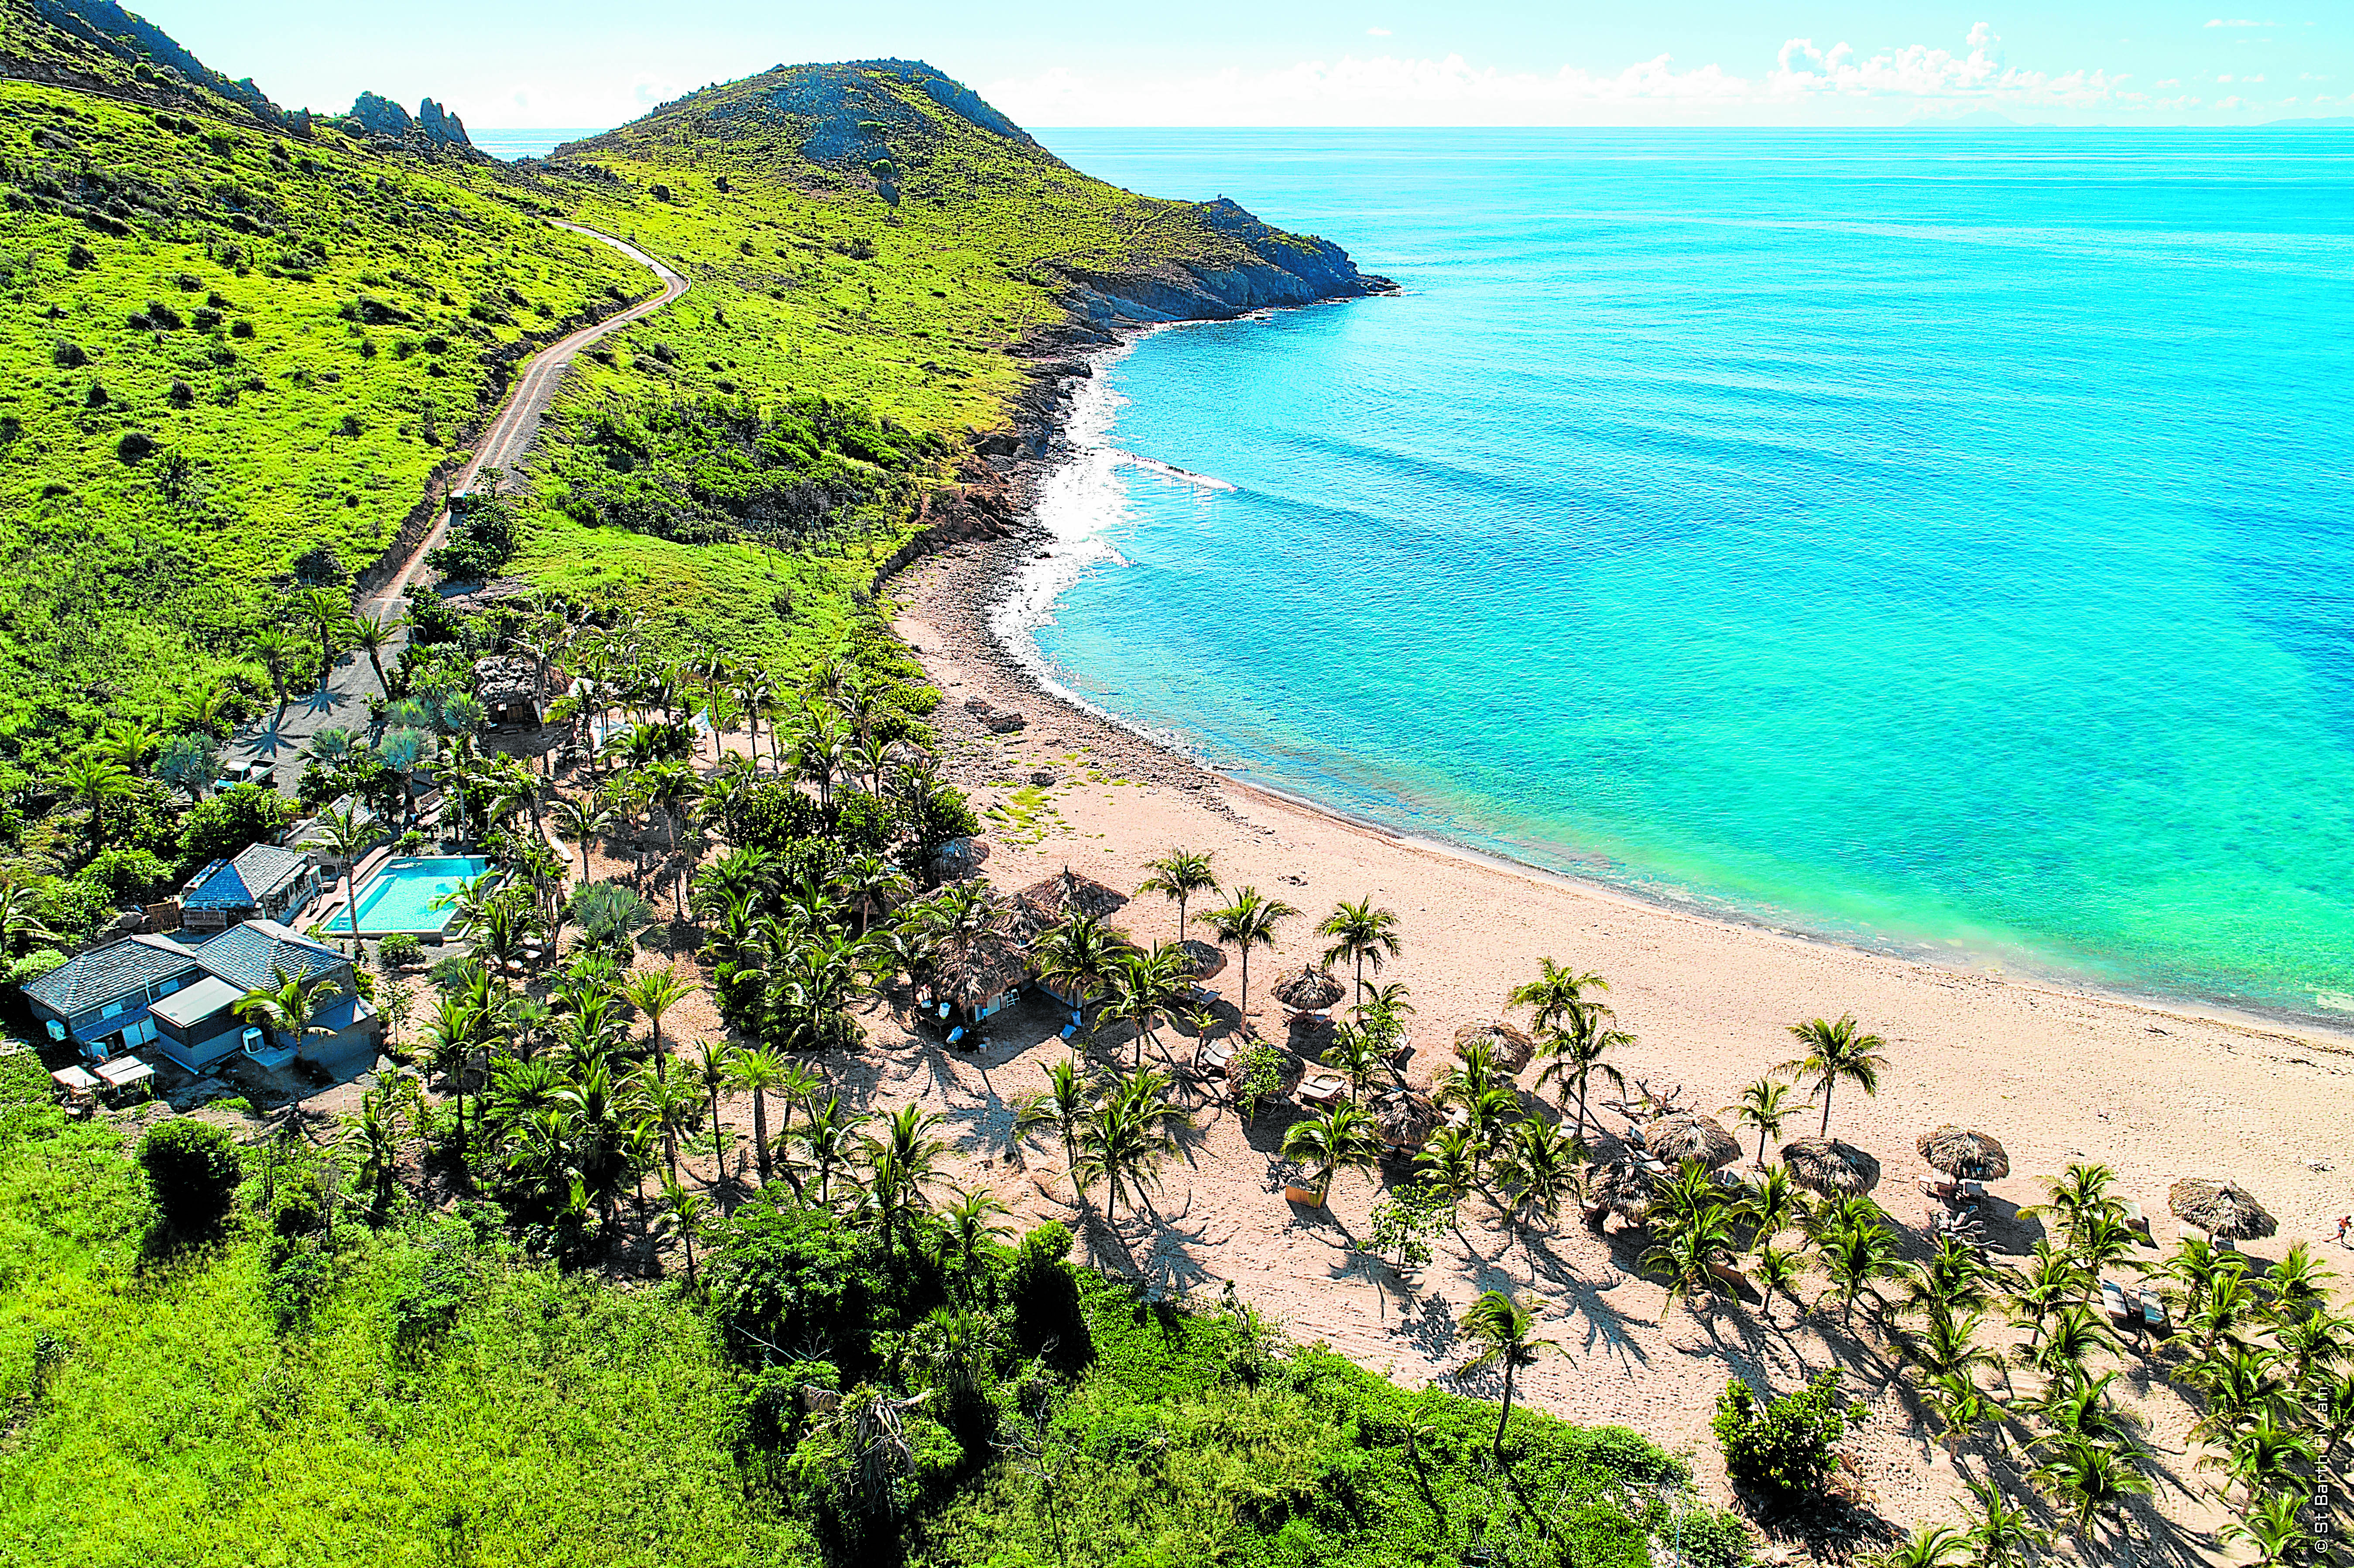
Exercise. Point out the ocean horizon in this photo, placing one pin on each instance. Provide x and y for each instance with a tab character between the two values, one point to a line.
1935	542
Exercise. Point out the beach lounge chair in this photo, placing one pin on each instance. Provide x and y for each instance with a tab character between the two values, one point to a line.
1633	1136
1214	1058
1323	1089
2113	1300
2153	1312
2135	1221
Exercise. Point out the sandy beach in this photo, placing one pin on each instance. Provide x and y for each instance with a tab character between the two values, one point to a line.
2059	1077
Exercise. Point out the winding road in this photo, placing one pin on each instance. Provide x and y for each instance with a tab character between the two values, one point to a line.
513	430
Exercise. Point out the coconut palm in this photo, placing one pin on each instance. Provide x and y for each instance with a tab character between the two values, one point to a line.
1357	1057
709	1073
2268	1454
329	610
899	1166
1249	921
1340	1138
670	1109
1574	1055
869	884
373	637
1931	1546
286	1009
684	1211
1773	1268
1450	1162
1178	876
1361	935
829	1140
1856	1255
1558	996
2277	1528
1130	1132
1504	1330
22	919
654	992
1544	1168
276	649
1144	986
1691	1246
1765	1105
756	1070
348	838
94	780
2072	1198
1076	957
2001	1533
1837	1053
2090	1483
1770	1204
969	1229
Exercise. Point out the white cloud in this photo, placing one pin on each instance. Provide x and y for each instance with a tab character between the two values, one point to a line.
2225	76
1377	32
2171	81
1920	72
2247	80
2234	102
2239	22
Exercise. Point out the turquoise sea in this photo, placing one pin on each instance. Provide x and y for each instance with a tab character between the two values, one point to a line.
1942	541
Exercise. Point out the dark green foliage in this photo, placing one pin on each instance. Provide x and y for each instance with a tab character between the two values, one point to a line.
401	947
774	816
1045	1296
128	875
482	539
192	1170
218	827
770	1417
424	1311
299	1277
793	1277
607	913
1784	1451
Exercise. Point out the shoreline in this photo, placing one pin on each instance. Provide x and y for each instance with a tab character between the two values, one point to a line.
989	590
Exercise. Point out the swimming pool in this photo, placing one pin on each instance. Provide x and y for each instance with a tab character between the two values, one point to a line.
399	894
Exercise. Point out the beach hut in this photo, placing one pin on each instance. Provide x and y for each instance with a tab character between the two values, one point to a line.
1834	1168
1056	898
1963	1153
1623	1187
1510	1049
2221	1209
1202	959
1404	1120
1307	989
1689	1135
981	976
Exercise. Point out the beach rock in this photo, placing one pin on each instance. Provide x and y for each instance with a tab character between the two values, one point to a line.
1042	777
978	708
1005	721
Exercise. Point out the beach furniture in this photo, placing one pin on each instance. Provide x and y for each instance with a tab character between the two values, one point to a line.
1214	1057
79	1085
1633	1136
1323	1089
123	1074
2113	1301
2153	1312
2135	1221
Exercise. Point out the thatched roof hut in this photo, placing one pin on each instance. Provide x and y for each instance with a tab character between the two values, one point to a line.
1202	959
2219	1208
1688	1135
958	858
1511	1049
1831	1167
1624	1188
1403	1119
1307	989
1963	1153
972	974
1056	898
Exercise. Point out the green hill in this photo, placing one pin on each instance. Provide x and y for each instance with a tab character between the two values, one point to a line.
238	347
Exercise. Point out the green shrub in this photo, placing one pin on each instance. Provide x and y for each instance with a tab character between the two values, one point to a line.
774	816
1045	1298
607	913
402	947
298	1278
770	1417
219	827
128	875
1784	1451
424	1311
192	1170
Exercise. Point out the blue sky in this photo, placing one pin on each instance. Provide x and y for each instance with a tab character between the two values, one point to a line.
1320	63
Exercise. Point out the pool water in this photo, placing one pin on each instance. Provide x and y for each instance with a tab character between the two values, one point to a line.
398	896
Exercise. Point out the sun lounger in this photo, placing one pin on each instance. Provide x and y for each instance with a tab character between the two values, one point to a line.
1214	1058
1324	1088
2135	1221
1940	1190
2153	1312
2113	1301
1735	1282
1633	1136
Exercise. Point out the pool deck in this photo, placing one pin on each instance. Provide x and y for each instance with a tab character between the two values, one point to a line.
330	902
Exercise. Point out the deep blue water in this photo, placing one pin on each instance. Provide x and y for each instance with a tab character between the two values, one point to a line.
1938	540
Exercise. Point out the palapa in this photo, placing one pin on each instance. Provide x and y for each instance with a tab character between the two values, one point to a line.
1831	1167
2219	1208
1202	959
1307	989
1403	1119
1511	1049
1624	1188
1688	1135
1963	1153
1058	897
970	973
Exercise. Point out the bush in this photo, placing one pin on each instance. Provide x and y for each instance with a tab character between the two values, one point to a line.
607	913
1783	1452
400	949
772	816
1047	1320
770	1417
793	1277
192	1169
128	875
228	822
482	541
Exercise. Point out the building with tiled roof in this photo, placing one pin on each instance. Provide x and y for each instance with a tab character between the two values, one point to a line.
264	882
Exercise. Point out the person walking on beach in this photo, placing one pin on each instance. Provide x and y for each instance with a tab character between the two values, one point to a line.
2343	1221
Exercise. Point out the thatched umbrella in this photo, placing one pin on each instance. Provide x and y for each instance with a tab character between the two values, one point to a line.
1511	1049
1831	1167
1623	1188
1965	1153
1307	989
1058	897
1403	1119
1202	959
1688	1135
2219	1208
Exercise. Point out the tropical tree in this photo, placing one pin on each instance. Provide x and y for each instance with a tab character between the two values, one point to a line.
829	1140
2277	1528
969	1229
22	918
1856	1255
1573	1056
1542	1168
899	1165
1931	1546
581	823
1132	1130
1076	957
348	838
671	1109
1179	876
2090	1483
94	780
1774	1269
756	1070
654	992
1340	1138
1558	996
684	1211
1504	1330
373	637
2001	1533
275	648
1764	1105
1363	935
1249	921
709	1064
1450	1159
1357	1055
1837	1053
286	1009
1144	986
329	610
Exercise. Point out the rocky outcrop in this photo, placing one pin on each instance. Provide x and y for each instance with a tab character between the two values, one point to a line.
1285	270
373	115
440	125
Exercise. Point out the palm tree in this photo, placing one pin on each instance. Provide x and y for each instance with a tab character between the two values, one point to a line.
968	1230
756	1070
1856	1256
287	1008
1574	1055
1144	986
22	920
349	838
1076	957
581	823
2277	1526
1360	935
899	1164
684	1210
374	636
1503	1329
275	648
1340	1140
328	610
2074	1197
710	1072
670	1107
1248	922
1931	1546
1764	1105
829	1138
1062	1105
1133	1129
868	884
403	751
94	780
1544	1168
2002	1534
1773	1268
1449	1159
2090	1482
1837	1051
1356	1056
1178	876
654	992
1557	995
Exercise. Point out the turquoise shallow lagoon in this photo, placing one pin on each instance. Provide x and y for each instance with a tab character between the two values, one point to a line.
1942	541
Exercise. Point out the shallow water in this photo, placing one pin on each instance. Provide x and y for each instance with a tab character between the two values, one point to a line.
1935	540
